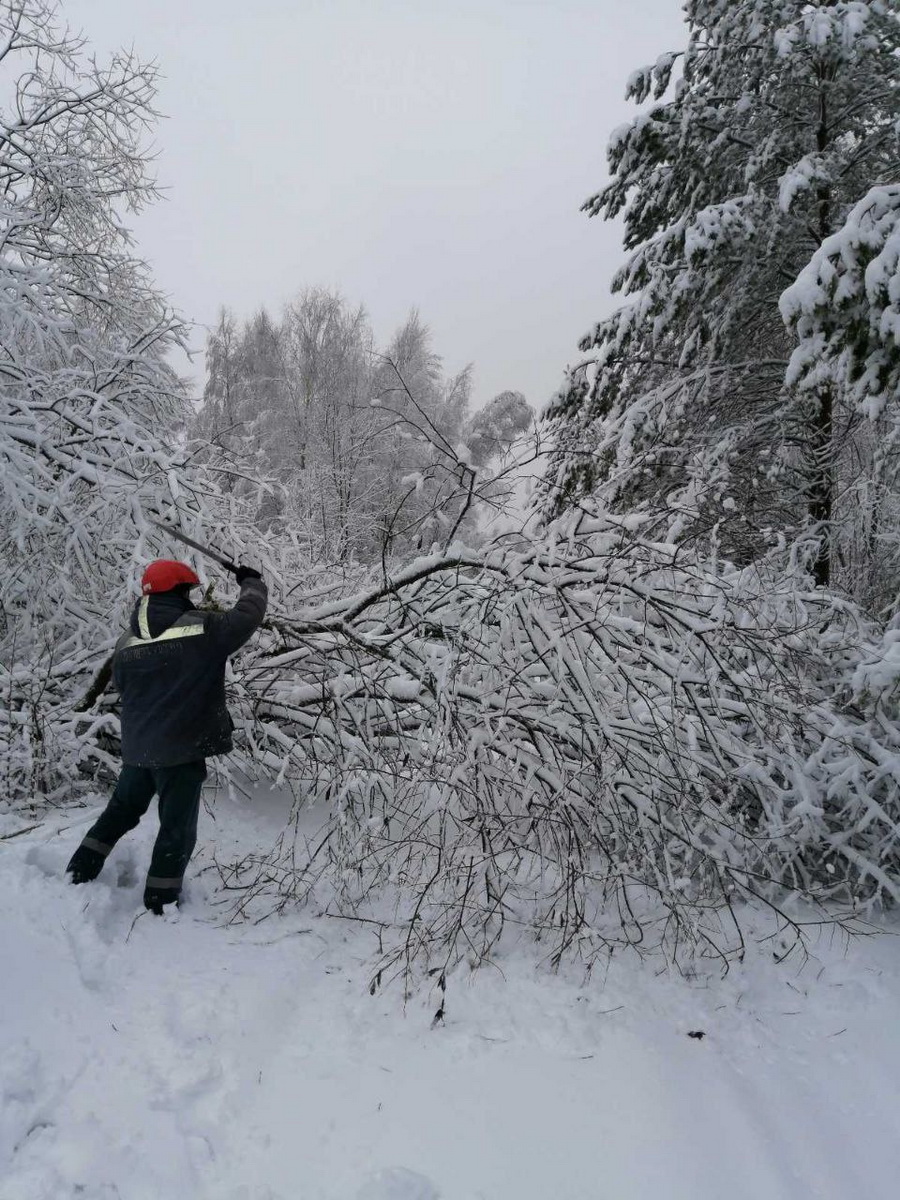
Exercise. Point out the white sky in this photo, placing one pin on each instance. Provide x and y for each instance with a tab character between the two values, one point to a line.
407	153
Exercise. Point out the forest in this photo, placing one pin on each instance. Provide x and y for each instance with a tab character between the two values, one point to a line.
618	672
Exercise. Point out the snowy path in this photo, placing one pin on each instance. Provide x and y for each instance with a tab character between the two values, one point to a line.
174	1058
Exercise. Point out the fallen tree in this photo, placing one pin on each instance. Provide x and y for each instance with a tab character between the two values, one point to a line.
584	734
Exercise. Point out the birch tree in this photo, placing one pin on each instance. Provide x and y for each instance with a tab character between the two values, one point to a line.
90	410
348	430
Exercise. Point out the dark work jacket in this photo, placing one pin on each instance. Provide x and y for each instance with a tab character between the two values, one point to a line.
173	681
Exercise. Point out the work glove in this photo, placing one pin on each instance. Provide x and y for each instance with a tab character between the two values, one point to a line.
242	573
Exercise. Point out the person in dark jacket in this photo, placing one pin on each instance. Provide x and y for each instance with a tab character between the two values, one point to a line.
170	670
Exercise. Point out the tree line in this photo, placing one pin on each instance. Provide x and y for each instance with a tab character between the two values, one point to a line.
347	432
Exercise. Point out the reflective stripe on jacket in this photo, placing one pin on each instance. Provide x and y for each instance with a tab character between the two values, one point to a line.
170	670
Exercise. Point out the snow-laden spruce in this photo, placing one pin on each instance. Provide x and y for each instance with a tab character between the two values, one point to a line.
758	144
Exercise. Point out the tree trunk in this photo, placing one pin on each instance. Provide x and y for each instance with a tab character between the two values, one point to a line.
821	498
821	502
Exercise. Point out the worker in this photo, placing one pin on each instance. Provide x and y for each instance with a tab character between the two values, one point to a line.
170	670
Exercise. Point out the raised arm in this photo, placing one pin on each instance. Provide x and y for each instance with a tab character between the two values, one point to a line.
230	630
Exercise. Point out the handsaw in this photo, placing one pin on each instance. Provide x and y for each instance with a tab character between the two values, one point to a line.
183	537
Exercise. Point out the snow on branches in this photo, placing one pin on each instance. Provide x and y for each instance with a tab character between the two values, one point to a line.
600	731
591	736
738	172
90	409
845	307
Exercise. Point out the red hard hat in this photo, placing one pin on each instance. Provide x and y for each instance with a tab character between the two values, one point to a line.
165	574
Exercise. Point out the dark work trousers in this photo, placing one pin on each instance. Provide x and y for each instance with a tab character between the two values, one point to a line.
178	789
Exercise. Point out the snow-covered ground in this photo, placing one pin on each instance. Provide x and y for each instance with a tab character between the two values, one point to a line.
176	1058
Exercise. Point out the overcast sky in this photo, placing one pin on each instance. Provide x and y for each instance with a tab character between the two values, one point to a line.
428	153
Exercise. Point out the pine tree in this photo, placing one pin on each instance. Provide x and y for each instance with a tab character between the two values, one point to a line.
845	312
782	116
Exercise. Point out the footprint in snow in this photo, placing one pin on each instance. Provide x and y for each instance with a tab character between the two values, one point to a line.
45	859
396	1183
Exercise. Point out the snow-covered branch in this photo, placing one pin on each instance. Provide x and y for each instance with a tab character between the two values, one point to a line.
591	736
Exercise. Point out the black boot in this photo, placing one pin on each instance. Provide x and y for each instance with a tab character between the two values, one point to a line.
85	865
155	899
